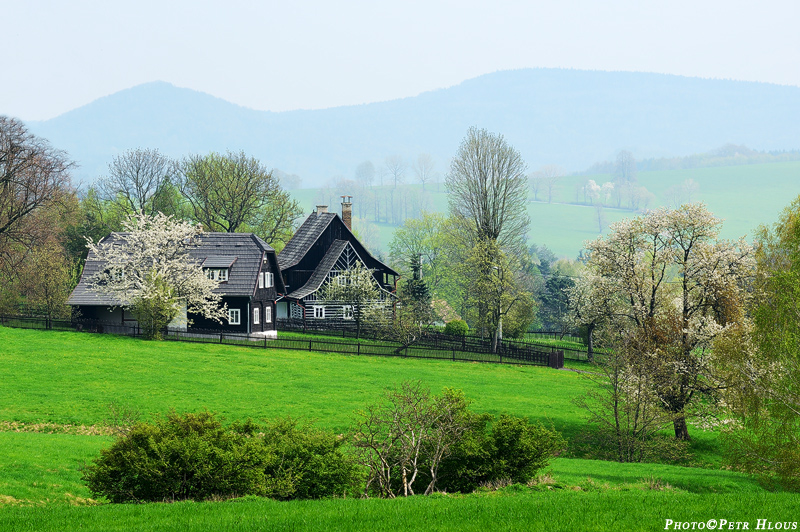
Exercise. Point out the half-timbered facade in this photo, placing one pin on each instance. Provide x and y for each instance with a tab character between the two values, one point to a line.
322	248
249	283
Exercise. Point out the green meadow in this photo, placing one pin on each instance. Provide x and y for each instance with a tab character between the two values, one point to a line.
744	196
55	388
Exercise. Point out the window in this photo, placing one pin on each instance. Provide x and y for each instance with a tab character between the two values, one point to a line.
269	279
267	314
218	274
256	316
319	312
261	280
347	312
343	279
234	316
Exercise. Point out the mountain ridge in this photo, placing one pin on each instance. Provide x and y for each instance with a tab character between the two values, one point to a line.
552	116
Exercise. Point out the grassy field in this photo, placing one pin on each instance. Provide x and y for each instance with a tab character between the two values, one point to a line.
744	196
53	406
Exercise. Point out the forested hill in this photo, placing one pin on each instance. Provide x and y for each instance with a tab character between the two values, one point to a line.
568	117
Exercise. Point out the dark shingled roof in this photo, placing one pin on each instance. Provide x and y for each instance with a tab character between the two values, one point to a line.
309	232
241	252
325	266
304	238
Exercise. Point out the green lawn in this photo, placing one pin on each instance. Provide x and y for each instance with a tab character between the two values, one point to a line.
564	510
69	379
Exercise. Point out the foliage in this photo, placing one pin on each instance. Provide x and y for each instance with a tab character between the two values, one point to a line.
410	432
423	238
436	440
193	456
624	413
48	278
764	361
234	192
507	448
148	267
668	281
456	328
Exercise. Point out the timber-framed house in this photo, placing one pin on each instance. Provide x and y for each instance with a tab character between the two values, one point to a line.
322	248
249	283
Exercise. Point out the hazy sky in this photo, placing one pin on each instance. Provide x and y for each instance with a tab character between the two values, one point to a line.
57	55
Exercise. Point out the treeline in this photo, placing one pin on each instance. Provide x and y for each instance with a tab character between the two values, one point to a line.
727	155
45	221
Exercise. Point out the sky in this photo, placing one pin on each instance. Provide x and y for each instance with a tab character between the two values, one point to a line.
311	54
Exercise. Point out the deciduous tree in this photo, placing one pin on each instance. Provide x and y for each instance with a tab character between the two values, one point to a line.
676	285
149	269
141	180
233	192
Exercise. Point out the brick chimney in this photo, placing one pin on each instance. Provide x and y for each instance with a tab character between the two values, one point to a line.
347	211
322	209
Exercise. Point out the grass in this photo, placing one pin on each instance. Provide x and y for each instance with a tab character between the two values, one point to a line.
511	509
68	378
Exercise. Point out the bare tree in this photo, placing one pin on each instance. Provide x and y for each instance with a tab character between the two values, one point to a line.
33	175
423	168
140	181
234	192
535	181
365	173
396	168
549	176
488	187
625	167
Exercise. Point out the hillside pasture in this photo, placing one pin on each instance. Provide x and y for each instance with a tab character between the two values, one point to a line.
745	196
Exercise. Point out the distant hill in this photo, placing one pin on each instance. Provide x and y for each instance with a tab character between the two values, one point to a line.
568	117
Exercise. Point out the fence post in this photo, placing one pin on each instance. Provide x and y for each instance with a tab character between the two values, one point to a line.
358	344
454	354
309	345
220	337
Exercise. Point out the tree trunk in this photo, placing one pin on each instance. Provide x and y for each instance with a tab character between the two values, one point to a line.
681	430
590	342
498	336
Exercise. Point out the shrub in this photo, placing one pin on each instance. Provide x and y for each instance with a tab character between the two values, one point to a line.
508	448
456	328
192	456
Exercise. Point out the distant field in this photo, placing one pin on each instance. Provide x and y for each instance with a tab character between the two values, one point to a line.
744	196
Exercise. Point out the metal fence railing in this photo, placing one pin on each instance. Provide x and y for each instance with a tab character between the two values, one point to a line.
455	349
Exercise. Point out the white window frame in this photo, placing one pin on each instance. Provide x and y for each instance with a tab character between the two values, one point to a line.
347	312
217	274
234	316
269	279
319	312
261	280
256	317
343	279
268	314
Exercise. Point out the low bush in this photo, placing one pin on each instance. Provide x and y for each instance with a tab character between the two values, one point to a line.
194	457
508	448
456	328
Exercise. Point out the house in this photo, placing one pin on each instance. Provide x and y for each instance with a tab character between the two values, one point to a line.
322	248
249	283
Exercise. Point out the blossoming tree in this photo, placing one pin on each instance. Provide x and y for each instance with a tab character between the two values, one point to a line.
149	270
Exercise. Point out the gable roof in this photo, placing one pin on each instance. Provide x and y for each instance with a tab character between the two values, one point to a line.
310	231
321	271
241	252
305	237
